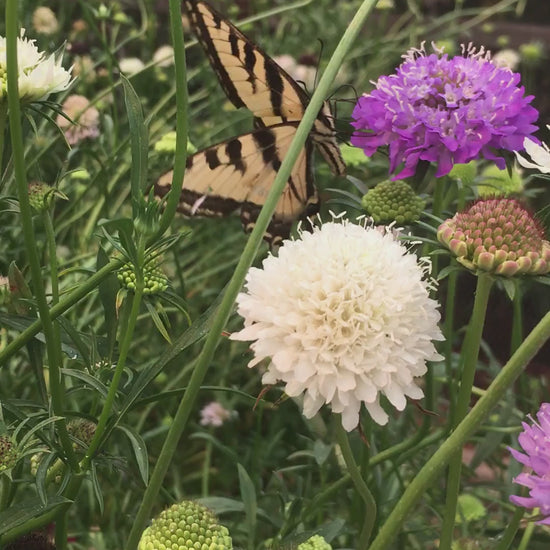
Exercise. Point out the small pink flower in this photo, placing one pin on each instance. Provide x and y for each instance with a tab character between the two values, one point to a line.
84	116
214	414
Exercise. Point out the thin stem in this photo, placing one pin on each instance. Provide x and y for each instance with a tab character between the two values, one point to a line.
61	531
448	331
431	471
52	348
206	469
4	491
121	364
360	486
82	290
3	119
205	358
527	534
52	255
511	530
470	353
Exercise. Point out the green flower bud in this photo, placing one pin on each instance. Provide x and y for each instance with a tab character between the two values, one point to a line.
499	183
469	508
8	453
466	173
167	144
154	279
498	236
393	201
186	526
40	195
316	542
532	53
353	156
82	429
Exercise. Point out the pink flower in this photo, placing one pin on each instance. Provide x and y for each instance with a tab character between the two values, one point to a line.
84	117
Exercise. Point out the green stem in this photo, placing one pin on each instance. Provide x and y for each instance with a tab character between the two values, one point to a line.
527	534
61	531
360	486
121	364
206	469
52	348
470	353
4	491
517	319
448	331
234	286
82	290
431	471
181	116
3	119
52	255
511	530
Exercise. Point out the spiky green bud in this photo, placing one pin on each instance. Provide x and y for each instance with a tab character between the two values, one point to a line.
353	156
498	236
316	542
40	195
154	278
186	526
8	453
393	201
466	173
82	429
469	508
499	183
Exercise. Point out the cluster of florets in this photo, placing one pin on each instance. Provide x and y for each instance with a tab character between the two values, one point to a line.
316	542
154	279
186	526
82	429
498	236
40	195
393	201
444	110
8	453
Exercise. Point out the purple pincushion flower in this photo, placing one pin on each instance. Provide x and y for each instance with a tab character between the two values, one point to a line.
535	441
442	110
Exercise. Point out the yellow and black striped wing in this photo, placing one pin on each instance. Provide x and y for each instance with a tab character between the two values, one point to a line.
238	174
249	77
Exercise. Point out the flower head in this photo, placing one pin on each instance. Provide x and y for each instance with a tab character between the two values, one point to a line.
499	236
393	201
164	56
445	111
345	316
540	155
84	117
186	526
316	542
154	279
535	441
131	65
9	454
44	20
39	74
214	414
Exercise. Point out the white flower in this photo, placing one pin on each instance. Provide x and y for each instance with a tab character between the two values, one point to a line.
540	155
44	20
214	414
131	65
39	74
301	73
507	58
344	315
164	56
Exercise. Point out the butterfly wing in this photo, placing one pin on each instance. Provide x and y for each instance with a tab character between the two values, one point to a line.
249	77
238	174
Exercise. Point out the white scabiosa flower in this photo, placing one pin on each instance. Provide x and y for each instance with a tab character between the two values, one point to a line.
131	65
44	20
164	56
345	316
39	74
540	155
214	414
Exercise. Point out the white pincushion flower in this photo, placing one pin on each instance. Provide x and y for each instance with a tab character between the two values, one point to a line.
131	65
345	316
39	74
540	155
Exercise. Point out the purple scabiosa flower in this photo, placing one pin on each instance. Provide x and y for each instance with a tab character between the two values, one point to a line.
444	110
535	441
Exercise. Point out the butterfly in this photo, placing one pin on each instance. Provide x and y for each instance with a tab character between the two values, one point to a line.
237	173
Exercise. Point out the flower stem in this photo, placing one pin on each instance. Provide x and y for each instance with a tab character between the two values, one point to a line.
52	255
448	331
83	289
61	531
528	533
360	486
431	471
3	119
511	530
121	364
205	358
470	353
53	348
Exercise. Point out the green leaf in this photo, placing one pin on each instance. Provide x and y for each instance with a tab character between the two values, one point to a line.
140	451
97	488
41	474
221	505
157	320
26	510
87	379
248	495
138	142
108	289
